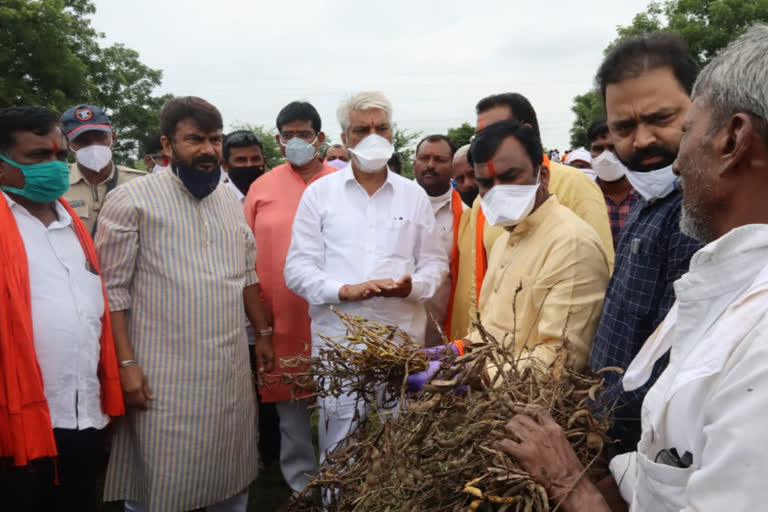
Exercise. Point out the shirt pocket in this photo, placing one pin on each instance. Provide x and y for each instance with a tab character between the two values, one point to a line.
398	244
661	487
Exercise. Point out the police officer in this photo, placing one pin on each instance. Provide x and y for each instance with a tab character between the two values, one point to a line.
94	174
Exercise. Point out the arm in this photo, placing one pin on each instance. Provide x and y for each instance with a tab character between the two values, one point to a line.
431	258
303	272
117	246
256	311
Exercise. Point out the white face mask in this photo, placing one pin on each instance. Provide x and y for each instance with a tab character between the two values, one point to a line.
509	205
95	157
608	167
372	153
653	184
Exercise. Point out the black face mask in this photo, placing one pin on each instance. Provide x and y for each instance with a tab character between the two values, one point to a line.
469	196
242	177
199	183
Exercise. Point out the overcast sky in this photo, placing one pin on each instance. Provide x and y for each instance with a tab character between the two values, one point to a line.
434	60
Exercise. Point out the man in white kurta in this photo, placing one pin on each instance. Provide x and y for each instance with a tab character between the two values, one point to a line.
705	418
364	240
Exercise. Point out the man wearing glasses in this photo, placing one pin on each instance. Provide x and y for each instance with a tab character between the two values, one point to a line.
270	207
91	137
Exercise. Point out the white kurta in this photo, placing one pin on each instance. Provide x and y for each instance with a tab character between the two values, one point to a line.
712	400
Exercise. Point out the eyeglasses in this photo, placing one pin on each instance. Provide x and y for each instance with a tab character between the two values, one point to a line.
305	135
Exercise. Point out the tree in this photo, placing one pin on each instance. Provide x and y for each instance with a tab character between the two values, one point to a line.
588	107
707	25
404	140
50	56
271	150
462	134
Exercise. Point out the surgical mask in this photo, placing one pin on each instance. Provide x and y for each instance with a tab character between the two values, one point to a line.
199	183
43	182
300	152
338	163
372	153
94	157
242	177
608	167
509	205
653	184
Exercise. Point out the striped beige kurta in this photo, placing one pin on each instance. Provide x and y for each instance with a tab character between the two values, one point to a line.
178	267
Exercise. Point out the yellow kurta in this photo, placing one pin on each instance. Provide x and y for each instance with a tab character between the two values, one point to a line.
573	189
562	269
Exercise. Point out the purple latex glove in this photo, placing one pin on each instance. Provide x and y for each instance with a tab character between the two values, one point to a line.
416	381
440	351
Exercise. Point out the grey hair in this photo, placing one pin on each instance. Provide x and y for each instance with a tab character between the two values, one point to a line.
461	153
362	101
734	81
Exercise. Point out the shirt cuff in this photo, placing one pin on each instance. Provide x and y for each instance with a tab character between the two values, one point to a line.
119	300
331	292
251	278
418	288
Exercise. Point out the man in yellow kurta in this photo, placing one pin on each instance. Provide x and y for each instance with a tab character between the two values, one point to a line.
572	188
548	270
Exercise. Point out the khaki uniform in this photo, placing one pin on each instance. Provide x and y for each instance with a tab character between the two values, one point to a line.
87	199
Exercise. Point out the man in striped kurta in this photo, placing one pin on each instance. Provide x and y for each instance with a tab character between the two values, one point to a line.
178	263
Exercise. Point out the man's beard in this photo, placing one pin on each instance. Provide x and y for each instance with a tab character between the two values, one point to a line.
695	222
198	162
695	227
667	155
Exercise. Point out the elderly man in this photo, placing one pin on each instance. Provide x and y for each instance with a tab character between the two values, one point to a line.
269	210
611	177
365	240
703	420
179	263
337	156
57	357
433	169
645	83
94	174
572	188
548	270
464	176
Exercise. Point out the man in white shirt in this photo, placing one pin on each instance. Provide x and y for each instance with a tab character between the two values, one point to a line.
433	169
704	420
57	357
364	239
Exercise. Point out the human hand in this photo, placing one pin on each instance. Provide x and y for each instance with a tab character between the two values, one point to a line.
135	384
366	290
401	288
543	451
265	354
416	381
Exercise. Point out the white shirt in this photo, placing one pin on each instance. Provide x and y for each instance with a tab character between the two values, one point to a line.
712	400
67	306
225	178
341	235
437	308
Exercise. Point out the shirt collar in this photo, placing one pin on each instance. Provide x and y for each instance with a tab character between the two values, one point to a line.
537	217
441	200
348	175
75	175
64	219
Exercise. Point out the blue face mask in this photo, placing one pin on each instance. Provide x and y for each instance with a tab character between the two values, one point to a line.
43	182
199	183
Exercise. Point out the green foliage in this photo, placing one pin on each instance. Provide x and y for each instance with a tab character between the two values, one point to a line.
588	107
50	56
404	141
707	25
271	149
461	134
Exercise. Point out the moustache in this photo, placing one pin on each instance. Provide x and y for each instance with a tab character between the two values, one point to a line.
429	171
667	158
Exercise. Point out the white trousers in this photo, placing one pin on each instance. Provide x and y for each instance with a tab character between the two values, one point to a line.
297	454
237	503
336	421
